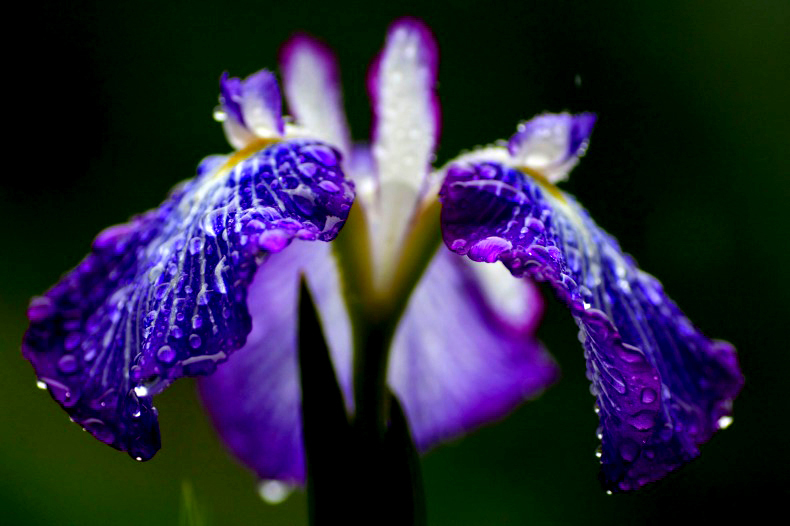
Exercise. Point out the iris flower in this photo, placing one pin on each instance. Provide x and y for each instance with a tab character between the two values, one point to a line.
207	284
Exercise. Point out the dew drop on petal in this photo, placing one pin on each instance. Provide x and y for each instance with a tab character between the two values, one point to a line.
724	422
274	491
219	114
165	354
194	341
68	364
629	450
648	396
329	186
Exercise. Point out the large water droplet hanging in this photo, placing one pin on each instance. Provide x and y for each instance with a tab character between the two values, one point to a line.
274	491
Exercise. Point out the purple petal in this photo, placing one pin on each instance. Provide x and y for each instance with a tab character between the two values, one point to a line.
164	295
255	398
236	131
230	97
662	387
552	142
261	104
312	88
457	362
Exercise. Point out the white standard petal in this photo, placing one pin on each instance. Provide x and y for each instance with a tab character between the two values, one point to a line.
312	88
402	86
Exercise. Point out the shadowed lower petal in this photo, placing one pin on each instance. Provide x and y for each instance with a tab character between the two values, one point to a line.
165	295
662	387
458	361
255	398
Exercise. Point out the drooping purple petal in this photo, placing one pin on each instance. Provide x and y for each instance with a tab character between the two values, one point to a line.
312	87
551	143
457	360
255	398
164	295
662	387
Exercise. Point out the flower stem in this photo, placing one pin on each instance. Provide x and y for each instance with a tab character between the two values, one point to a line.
368	472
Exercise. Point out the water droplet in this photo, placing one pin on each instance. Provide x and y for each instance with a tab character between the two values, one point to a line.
643	420
648	396
272	240
71	341
194	341
138	459
724	422
165	354
219	114
196	244
608	492
628	450
176	332
329	186
489	249
197	322
68	364
40	309
161	290
631	354
141	390
274	491
40	384
458	244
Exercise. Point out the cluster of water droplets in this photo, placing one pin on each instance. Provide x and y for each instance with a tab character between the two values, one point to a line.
165	295
644	358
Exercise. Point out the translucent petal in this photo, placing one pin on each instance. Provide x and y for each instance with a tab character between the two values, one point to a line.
458	360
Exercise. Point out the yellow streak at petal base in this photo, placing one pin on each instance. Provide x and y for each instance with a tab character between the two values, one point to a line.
543	182
239	155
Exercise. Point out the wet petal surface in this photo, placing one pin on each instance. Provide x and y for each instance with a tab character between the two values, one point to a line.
165	295
662	387
458	361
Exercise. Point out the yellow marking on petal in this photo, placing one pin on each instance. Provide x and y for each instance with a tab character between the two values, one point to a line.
543	182
249	150
209	183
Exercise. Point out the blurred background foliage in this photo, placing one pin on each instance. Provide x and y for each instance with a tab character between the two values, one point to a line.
688	167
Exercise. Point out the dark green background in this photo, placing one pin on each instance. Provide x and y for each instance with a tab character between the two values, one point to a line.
688	167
